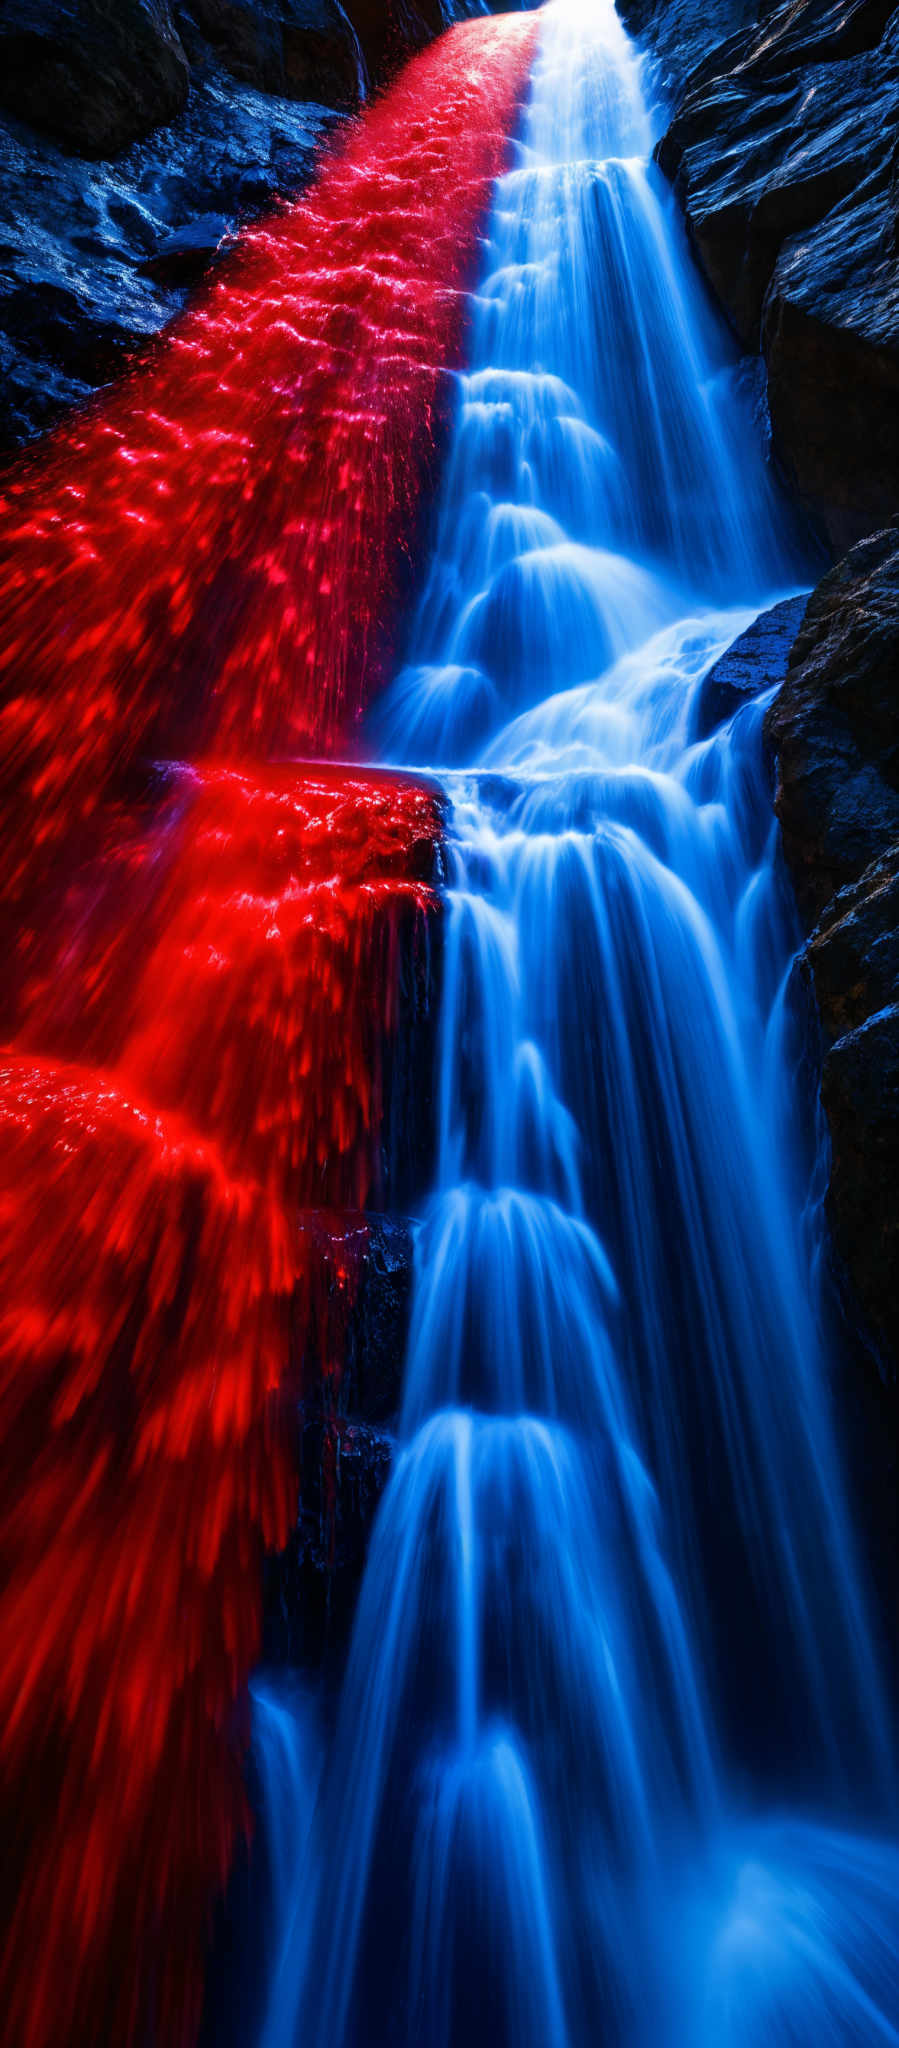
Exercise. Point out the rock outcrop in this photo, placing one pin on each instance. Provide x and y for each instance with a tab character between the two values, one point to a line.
87	272
757	661
138	136
781	153
303	49
834	732
96	75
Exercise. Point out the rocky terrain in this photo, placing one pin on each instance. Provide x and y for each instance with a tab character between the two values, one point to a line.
136	136
781	151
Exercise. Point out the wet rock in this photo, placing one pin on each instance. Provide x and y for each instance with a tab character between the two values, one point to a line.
831	338
380	1325
860	1094
781	152
96	256
679	35
834	730
86	269
852	963
347	1449
181	257
756	661
834	727
310	1589
97	74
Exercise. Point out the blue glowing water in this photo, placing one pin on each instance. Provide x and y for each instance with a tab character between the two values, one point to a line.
611	1604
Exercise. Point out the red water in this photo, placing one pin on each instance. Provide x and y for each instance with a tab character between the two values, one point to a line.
206	565
212	559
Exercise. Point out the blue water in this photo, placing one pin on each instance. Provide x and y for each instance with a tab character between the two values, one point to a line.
613	1761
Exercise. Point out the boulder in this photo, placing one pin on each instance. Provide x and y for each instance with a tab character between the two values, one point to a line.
780	152
96	74
757	661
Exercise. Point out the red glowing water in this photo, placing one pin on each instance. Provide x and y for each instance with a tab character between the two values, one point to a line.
151	1262
212	558
207	565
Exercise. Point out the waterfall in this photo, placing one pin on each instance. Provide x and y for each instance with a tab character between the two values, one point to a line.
612	1603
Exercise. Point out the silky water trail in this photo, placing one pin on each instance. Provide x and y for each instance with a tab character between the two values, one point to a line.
612	1760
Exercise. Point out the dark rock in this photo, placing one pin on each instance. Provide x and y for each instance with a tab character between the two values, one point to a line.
679	35
781	154
80	285
755	662
409	1075
831	338
310	1589
834	727
183	256
97	74
860	1094
380	1323
853	953
346	1451
835	731
300	49
95	258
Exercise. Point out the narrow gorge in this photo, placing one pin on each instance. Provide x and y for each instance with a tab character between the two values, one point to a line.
449	1127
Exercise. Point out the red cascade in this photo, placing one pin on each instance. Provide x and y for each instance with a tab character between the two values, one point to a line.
206	566
155	1283
210	559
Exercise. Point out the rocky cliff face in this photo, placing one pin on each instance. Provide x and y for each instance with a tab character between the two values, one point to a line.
834	731
137	136
781	151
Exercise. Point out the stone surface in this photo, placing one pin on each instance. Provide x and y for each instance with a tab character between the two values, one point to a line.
85	277
679	35
834	727
301	49
781	152
203	112
96	74
347	1449
834	732
755	662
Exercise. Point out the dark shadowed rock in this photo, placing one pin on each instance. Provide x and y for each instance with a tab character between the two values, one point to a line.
86	274
781	154
755	662
834	726
680	35
834	729
182	257
229	101
860	1094
831	338
300	49
96	74
376	1350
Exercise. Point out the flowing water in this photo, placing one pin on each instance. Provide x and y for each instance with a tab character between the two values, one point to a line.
611	1604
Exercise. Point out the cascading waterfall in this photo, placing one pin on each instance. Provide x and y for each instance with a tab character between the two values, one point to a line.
611	1599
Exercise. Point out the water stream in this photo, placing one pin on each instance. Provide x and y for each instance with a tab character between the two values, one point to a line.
612	1605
